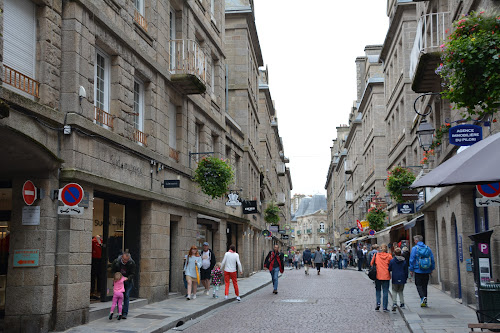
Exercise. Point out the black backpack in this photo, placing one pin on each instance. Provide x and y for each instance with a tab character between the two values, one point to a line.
372	273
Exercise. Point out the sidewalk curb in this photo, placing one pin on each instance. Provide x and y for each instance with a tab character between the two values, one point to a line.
401	313
206	310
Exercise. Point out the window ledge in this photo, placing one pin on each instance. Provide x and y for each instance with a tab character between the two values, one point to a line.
143	33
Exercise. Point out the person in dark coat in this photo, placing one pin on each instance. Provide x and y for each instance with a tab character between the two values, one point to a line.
361	258
125	265
306	257
275	263
399	269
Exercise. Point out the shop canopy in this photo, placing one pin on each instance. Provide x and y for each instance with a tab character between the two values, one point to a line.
478	164
410	224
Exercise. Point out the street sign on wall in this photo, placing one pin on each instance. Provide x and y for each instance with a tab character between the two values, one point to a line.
71	194
487	202
489	190
465	134
29	192
31	215
26	258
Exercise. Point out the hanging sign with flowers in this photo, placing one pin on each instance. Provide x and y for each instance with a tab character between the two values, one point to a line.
470	66
376	218
399	179
214	175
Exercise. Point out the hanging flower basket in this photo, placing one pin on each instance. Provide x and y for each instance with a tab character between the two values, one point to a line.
271	214
399	179
470	66
214	176
376	217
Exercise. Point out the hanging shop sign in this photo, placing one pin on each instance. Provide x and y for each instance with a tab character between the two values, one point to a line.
171	183
465	135
287	227
406	208
489	190
354	231
274	228
409	195
284	237
233	200
281	231
250	207
29	193
266	233
26	258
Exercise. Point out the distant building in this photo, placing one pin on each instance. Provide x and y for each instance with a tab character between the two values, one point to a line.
310	223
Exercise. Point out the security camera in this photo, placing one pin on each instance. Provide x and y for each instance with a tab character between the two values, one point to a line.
82	93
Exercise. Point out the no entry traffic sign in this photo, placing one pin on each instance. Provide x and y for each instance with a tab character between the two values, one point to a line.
71	194
489	190
29	192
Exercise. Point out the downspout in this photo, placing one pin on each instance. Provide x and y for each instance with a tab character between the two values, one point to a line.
227	89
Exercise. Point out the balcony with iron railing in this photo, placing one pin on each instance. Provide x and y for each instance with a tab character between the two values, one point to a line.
432	31
174	154
103	118
309	231
140	137
298	232
21	82
140	20
188	66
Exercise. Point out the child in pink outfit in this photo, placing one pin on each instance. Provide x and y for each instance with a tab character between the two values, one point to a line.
118	290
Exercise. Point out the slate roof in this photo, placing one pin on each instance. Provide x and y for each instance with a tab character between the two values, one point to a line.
310	205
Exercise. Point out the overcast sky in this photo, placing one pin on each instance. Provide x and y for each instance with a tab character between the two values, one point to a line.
310	48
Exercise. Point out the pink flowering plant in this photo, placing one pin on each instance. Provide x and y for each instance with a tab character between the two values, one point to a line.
470	66
398	179
376	217
214	175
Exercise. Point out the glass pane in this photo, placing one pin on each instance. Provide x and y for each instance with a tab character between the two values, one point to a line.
115	239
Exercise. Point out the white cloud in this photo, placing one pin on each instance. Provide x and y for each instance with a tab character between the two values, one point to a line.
310	48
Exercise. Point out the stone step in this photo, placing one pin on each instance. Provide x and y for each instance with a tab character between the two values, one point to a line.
101	309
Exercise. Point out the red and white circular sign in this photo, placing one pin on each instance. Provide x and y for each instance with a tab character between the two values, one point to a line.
29	192
71	194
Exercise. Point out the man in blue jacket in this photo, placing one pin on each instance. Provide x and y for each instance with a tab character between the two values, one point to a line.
306	257
421	266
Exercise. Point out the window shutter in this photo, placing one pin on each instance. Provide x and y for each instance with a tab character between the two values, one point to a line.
19	36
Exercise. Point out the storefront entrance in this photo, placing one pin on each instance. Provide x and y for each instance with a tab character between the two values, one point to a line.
115	228
5	220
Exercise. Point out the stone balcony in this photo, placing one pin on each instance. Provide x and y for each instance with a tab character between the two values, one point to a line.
188	66
432	31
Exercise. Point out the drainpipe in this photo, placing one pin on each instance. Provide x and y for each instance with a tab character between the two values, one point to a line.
227	89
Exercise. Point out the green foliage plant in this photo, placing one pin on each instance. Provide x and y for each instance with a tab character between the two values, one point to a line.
214	175
470	66
376	217
271	214
398	179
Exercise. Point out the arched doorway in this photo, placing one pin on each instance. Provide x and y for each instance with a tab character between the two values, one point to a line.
457	281
443	248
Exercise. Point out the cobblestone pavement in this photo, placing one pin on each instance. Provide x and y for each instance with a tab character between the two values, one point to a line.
335	301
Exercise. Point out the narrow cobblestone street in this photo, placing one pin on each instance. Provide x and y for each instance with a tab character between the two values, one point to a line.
335	301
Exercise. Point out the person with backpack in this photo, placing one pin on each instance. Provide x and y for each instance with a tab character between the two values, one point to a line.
421	266
306	257
399	270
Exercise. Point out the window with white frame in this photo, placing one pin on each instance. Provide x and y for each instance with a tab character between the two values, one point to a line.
138	105
212	75
197	134
19	48
139	5
212	7
322	240
322	227
172	39
172	126
101	85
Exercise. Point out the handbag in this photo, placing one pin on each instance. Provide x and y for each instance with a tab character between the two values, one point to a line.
372	273
197	273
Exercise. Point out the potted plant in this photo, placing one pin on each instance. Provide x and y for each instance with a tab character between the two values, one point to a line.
470	66
271	214
398	179
214	175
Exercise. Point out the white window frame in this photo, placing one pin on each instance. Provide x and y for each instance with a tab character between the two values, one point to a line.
172	33
7	61
172	126
212	77
139	5
107	81
139	105
197	134
322	226
322	240
212	7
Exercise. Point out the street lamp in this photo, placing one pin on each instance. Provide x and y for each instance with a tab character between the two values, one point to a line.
425	134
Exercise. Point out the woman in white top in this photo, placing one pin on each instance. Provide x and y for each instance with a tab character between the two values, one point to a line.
193	263
229	264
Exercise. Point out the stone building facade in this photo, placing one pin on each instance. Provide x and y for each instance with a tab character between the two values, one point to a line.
445	216
119	96
310	224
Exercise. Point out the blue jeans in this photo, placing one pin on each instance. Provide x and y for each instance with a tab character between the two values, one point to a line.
126	296
340	263
345	263
384	286
274	275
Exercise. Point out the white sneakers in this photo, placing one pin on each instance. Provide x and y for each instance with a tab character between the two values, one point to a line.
194	296
238	298
207	292
225	297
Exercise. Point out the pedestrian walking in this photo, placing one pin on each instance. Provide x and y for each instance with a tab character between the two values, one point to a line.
318	259
191	267
339	259
118	290
296	259
216	275
382	260
126	266
421	266
399	270
274	262
361	258
306	257
207	264
96	268
229	265
365	253
345	258
372	253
